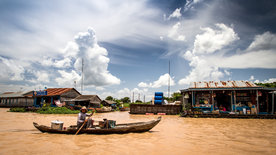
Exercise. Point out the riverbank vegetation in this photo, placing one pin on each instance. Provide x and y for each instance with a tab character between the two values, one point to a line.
17	110
46	110
56	110
269	85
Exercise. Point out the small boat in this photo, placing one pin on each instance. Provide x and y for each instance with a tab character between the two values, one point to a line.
117	129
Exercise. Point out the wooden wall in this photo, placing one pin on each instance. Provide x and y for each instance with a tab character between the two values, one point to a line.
17	102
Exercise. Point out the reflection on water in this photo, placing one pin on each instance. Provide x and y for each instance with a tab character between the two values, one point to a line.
173	135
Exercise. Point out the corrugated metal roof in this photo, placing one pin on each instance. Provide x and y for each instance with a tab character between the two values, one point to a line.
91	98
109	101
14	94
222	84
85	96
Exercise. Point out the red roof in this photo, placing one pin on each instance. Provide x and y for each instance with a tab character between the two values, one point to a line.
58	91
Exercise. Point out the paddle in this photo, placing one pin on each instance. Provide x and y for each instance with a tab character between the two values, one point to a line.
84	123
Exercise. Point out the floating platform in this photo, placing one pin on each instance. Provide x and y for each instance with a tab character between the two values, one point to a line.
147	109
239	116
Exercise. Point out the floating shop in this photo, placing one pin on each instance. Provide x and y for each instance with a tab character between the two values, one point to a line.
54	96
229	97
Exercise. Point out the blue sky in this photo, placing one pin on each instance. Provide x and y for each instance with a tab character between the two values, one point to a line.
127	45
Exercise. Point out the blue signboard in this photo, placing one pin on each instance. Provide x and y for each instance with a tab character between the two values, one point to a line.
40	93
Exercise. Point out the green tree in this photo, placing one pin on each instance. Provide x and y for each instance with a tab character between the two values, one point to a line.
269	85
109	98
138	101
176	96
125	100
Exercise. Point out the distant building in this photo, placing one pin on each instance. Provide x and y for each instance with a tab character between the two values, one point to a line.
53	95
230	96
90	101
109	103
16	99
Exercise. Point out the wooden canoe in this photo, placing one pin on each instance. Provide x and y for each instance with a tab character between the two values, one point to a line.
118	129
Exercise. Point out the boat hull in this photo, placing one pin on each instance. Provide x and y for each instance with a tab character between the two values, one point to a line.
118	129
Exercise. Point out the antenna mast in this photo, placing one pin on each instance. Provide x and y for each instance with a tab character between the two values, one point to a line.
169	81
82	76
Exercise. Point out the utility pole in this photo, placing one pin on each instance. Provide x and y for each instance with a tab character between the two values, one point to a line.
144	99
169	81
82	76
132	97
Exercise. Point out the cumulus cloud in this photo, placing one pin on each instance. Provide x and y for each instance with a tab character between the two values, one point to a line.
42	76
175	14
67	78
207	43
259	54
162	81
214	39
10	70
201	70
190	4
63	63
207	64
174	33
265	41
271	80
85	49
251	78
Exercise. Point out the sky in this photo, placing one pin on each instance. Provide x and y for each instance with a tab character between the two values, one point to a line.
126	46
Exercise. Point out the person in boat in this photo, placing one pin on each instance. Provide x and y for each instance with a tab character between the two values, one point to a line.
82	118
105	123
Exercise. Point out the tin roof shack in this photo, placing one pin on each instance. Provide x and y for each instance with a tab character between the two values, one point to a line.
90	101
234	97
109	103
16	99
54	96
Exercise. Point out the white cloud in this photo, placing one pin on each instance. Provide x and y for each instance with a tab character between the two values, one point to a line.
126	92
174	33
201	70
271	80
67	79
175	14
212	40
42	76
205	44
190	4
11	70
208	65
259	54
143	84
18	87
257	81
94	58
251	78
162	81
263	42
63	63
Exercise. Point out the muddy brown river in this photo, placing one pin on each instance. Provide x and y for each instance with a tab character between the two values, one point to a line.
173	135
